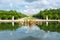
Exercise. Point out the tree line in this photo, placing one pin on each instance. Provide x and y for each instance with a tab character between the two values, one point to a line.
52	14
8	14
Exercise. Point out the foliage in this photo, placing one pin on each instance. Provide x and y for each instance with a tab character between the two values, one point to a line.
8	14
52	14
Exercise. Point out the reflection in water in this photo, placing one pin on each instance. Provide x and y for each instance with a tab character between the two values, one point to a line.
28	29
27	33
8	26
53	27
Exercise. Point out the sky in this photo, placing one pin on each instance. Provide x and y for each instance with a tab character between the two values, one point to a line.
29	6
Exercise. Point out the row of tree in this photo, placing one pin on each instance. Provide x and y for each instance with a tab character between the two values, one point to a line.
52	14
8	14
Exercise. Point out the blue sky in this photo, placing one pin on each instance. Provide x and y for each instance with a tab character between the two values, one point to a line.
29	6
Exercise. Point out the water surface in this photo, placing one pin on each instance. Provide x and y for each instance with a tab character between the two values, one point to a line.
27	33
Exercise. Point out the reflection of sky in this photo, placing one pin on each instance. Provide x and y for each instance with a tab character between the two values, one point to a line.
29	6
25	31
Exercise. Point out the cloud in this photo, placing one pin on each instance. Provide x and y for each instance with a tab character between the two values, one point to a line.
32	11
29	6
30	1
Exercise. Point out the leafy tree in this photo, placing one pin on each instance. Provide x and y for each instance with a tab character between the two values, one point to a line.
52	14
8	14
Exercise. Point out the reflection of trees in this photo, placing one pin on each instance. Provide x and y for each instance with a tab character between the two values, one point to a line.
8	26
53	26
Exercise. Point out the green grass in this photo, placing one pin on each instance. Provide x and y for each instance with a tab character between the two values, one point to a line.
29	18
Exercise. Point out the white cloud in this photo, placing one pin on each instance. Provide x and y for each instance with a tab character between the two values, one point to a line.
11	5
25	10
26	6
31	7
45	2
32	11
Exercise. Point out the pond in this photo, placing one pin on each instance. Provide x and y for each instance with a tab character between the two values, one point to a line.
26	33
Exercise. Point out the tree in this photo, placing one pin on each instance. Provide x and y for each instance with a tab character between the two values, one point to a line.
52	14
8	14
